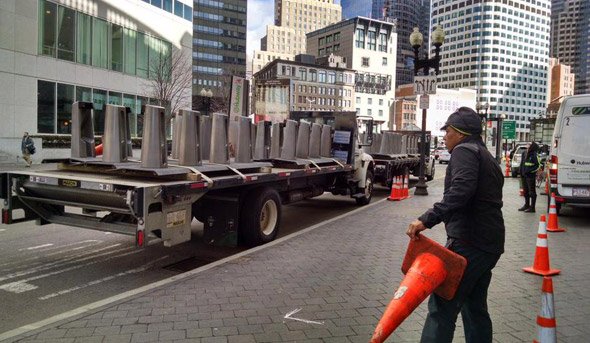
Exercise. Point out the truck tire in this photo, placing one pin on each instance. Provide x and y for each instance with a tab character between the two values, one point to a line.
260	217
431	176
197	212
368	190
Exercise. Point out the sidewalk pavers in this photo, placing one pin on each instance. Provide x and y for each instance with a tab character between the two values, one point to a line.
341	276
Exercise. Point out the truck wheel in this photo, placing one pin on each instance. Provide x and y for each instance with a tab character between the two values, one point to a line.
368	190
260	217
197	212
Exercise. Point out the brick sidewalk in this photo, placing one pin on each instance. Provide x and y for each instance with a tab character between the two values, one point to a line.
342	274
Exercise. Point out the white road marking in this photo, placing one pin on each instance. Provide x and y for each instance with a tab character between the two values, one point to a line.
104	279
37	247
22	261
288	316
19	287
61	263
2	230
8	286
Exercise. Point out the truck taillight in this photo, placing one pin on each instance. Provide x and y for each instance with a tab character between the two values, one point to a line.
139	238
553	169
5	216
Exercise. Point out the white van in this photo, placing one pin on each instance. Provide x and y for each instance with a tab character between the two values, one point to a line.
570	153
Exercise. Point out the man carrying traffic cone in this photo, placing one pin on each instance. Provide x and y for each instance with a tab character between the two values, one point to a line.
546	323
471	209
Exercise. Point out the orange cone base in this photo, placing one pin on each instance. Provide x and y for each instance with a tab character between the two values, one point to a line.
393	199
556	230
547	272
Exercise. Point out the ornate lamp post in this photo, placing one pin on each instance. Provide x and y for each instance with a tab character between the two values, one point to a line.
206	95
416	40
484	119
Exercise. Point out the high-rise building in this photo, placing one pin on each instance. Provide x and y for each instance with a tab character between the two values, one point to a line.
293	19
356	8
219	47
56	52
369	48
570	39
407	14
562	81
501	49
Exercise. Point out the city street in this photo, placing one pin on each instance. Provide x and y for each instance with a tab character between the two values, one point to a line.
337	277
51	269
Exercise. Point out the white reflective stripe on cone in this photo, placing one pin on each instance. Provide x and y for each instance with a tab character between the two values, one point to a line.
547	335
547	306
552	209
542	228
542	242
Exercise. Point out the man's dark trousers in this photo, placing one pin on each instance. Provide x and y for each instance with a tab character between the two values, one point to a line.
470	300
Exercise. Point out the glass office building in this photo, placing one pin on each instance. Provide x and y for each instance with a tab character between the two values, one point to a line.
56	52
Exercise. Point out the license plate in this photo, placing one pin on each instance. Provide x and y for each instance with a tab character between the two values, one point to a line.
581	192
69	183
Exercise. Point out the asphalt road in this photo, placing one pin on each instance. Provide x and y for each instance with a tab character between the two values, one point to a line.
48	270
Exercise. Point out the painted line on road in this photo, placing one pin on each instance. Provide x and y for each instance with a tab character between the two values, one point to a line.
30	263
37	247
104	279
82	310
58	264
2	230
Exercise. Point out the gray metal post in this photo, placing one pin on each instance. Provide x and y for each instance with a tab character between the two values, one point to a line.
189	150
114	139
219	140
153	147
82	130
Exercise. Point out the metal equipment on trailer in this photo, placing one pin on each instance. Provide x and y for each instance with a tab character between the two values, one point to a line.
231	175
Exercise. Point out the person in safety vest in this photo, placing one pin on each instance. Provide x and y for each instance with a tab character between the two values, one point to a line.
529	165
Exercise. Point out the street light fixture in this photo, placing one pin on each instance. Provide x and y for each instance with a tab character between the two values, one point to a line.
416	40
206	95
484	119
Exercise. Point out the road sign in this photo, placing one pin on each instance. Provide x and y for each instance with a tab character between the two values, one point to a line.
424	101
425	85
509	129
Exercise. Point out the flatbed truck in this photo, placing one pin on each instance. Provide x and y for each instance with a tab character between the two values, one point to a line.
238	203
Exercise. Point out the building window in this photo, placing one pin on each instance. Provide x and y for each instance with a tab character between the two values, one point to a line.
380	113
365	62
360	38
65	99
117	48
372	44
130	44
384	61
45	107
66	33
100	33
84	39
370	101
99	99
47	28
142	55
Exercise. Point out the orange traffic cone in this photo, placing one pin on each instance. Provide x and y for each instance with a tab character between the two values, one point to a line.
429	267
552	224
546	192
395	190
507	170
98	149
405	187
541	262
546	323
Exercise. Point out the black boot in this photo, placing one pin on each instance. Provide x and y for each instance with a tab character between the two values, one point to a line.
526	204
531	209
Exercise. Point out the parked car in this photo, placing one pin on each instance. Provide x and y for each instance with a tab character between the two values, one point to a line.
515	157
444	156
437	152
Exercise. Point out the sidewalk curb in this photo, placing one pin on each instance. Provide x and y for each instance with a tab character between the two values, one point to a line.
37	327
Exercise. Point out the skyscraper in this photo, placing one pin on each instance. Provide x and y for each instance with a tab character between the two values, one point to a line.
219	47
407	14
293	19
356	8
502	50
570	39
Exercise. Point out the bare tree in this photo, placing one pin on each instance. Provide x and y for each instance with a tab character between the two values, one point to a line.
170	80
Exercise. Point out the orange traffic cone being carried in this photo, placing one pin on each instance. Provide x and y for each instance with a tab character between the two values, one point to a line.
429	267
541	262
552	224
395	190
507	170
98	149
546	323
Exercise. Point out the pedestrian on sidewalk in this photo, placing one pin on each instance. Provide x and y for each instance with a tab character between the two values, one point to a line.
27	147
471	209
529	165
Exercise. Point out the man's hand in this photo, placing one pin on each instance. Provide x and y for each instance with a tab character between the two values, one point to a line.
414	229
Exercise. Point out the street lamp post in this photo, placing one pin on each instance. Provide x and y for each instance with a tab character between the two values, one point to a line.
206	95
499	119
484	119
416	40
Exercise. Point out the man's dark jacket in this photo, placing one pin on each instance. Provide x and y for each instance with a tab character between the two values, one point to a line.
471	207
